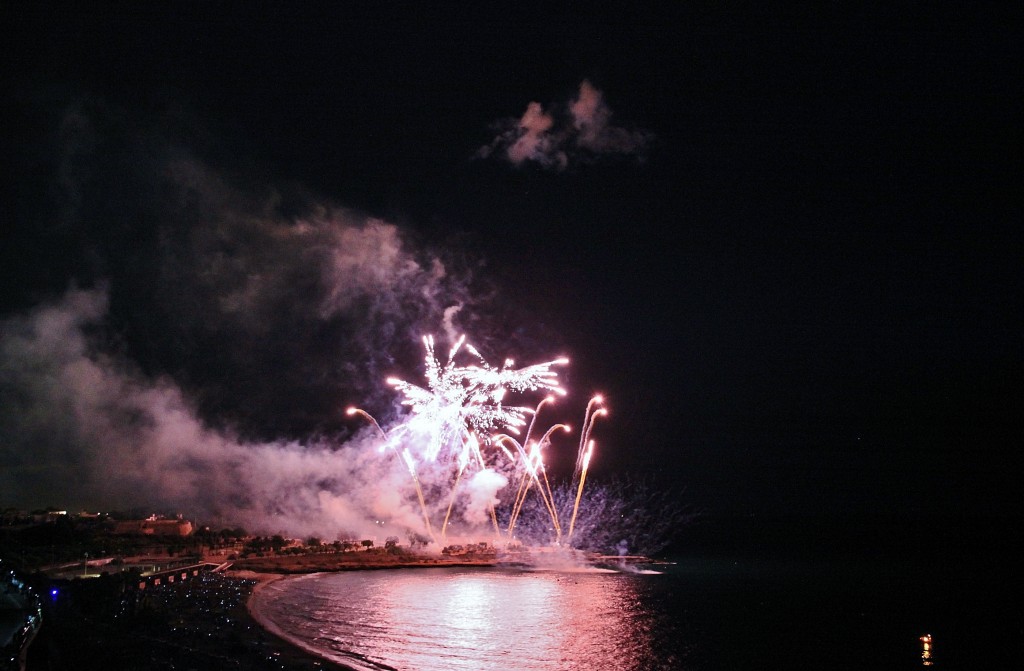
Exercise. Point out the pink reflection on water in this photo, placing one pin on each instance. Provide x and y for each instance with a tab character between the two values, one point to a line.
481	620
507	620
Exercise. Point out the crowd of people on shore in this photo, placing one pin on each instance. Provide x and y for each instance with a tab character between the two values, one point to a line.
198	623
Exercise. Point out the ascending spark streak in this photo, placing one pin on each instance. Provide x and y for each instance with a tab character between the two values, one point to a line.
593	418
455	488
588	425
524	483
368	416
551	498
579	491
533	462
530	465
529	429
406	457
521	491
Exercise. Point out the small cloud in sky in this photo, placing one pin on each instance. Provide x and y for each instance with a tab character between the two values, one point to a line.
580	131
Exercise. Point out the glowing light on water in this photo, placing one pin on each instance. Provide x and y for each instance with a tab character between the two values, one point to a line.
926	650
468	620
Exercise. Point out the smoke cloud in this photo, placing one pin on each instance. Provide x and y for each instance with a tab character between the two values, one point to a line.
271	308
83	424
482	492
210	341
580	131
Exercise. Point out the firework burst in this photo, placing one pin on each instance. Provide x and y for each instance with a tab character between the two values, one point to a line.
460	400
460	422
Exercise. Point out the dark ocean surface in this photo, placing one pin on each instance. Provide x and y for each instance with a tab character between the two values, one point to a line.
742	607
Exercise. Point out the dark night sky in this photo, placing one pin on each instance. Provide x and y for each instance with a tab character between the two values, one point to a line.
802	296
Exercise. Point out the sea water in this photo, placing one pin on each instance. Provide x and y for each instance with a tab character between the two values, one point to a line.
695	613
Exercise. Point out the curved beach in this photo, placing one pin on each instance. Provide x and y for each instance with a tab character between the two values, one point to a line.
268	570
254	604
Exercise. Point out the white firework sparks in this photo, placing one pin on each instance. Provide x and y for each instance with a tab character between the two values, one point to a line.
465	400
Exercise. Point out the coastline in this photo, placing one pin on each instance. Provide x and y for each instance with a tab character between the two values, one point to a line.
211	621
263	580
357	561
268	570
257	615
265	571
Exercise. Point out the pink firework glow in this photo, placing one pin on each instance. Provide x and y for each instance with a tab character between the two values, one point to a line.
461	437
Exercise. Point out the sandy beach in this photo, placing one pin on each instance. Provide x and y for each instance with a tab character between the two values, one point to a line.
263	580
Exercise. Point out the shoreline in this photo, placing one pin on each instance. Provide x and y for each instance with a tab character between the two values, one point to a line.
346	561
209	622
263	580
268	570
